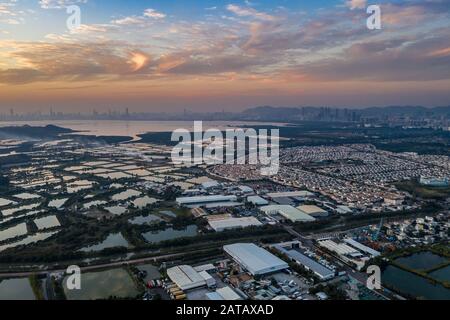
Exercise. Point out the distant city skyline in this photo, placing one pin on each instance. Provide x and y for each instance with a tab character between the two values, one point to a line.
214	56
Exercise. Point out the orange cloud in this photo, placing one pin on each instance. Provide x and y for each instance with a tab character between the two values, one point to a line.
440	53
138	61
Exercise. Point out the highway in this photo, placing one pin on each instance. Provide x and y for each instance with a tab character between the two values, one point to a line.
90	268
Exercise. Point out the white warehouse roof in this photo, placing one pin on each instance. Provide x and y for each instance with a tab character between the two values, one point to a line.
228	294
246	189
204	199
210	184
209	280
257	200
362	247
321	271
254	259
289	212
225	293
339	248
204	267
290	194
185	277
233	223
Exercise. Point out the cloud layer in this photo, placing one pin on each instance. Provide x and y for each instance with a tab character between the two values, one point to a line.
283	51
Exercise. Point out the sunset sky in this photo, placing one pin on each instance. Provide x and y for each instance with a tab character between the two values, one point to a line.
207	55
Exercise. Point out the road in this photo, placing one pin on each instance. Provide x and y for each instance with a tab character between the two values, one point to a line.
92	267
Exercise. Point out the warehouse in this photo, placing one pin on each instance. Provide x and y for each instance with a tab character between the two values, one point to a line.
221	204
362	247
313	211
254	259
202	200
210	185
209	280
288	212
257	200
186	278
245	189
225	293
322	272
294	194
339	248
228	223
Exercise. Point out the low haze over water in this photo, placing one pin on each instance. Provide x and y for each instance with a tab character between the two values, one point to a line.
129	128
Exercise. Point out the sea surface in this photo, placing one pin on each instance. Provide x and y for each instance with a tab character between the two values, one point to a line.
131	128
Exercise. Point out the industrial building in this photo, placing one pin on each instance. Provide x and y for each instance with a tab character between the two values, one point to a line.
285	201
245	189
257	200
186	277
343	210
322	272
203	200
346	252
213	205
340	248
225	293
288	212
210	184
198	212
209	267
313	211
227	223
254	259
361	247
434	181
294	194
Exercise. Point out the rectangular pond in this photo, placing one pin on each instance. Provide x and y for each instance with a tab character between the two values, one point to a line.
12	211
442	274
140	220
116	210
103	285
414	285
57	203
5	202
16	289
28	240
142	202
47	222
13	232
124	195
113	240
170	234
421	261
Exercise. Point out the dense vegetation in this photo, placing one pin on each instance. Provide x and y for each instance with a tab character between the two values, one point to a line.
425	192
